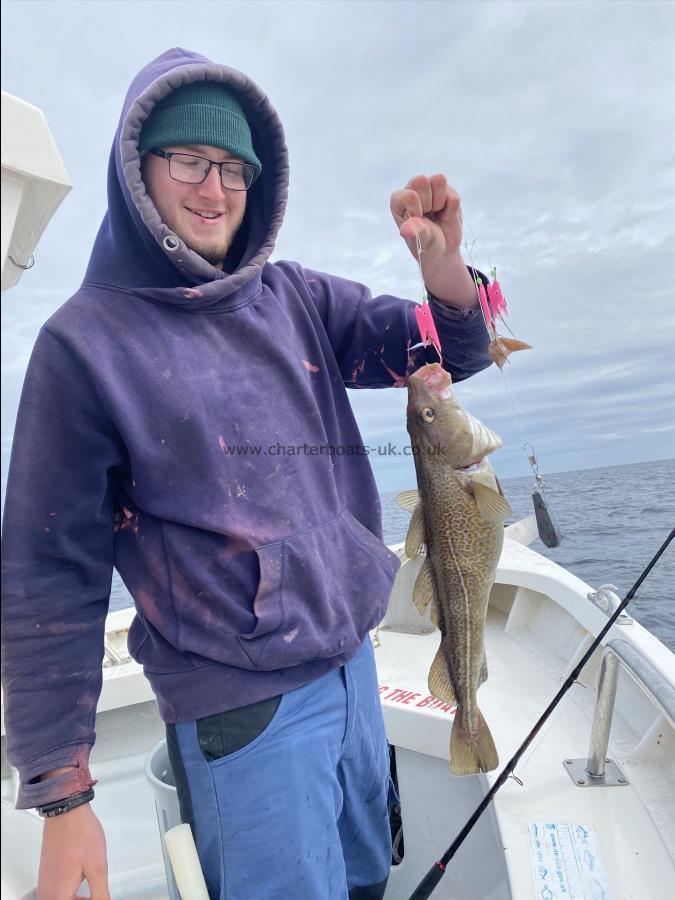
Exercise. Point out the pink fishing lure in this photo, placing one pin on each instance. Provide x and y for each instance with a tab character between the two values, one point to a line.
485	306
496	298
427	327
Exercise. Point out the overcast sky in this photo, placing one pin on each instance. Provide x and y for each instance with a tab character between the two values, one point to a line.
555	121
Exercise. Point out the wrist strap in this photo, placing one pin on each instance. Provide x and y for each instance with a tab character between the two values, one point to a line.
59	807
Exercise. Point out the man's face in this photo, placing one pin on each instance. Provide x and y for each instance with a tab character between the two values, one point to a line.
184	208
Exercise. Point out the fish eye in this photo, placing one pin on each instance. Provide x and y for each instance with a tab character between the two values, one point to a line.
427	415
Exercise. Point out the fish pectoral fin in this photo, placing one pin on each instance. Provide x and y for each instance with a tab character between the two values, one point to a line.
424	589
472	753
439	679
408	499
491	505
414	540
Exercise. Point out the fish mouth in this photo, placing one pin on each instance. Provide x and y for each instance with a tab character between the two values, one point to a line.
471	467
432	378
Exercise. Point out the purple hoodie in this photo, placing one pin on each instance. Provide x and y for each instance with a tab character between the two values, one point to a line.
149	437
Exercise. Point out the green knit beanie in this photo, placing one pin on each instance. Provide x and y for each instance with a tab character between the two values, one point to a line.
203	112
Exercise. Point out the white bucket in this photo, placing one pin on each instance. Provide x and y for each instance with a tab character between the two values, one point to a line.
159	774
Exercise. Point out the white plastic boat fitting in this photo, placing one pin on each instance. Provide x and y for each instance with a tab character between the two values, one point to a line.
187	871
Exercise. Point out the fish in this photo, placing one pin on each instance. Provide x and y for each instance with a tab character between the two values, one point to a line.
458	512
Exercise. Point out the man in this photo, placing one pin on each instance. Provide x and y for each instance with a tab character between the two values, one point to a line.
256	576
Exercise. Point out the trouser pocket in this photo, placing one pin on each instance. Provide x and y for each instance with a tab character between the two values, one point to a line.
225	733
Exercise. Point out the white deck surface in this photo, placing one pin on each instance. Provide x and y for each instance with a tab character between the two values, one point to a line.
516	693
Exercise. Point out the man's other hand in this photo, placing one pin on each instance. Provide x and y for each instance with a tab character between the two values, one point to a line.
73	849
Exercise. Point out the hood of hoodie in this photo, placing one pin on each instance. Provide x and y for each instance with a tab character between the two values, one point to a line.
134	250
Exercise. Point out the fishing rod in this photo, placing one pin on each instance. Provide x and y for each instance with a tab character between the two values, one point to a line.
428	884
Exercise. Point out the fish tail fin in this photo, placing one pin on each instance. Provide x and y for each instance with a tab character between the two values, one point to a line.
500	348
471	753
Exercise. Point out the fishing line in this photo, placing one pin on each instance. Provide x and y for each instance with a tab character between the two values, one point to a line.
428	884
492	305
531	752
546	527
425	321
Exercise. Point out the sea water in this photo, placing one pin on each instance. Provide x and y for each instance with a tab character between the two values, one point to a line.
613	521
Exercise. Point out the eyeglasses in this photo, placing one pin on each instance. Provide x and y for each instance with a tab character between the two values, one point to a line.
191	169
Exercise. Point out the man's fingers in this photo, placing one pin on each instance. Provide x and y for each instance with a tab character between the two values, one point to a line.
404	204
452	204
422	187
417	226
411	228
424	196
99	893
439	192
97	879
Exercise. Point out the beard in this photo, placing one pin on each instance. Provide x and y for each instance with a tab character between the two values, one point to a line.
213	252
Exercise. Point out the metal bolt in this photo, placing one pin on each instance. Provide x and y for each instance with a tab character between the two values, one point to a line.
622	781
581	781
568	762
608	760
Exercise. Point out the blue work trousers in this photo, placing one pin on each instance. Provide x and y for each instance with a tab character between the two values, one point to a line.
289	799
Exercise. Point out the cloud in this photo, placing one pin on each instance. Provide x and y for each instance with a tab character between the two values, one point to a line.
549	119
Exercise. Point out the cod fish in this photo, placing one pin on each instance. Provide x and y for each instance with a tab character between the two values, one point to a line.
458	512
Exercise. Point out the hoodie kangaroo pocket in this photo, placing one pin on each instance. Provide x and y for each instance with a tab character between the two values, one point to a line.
319	593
